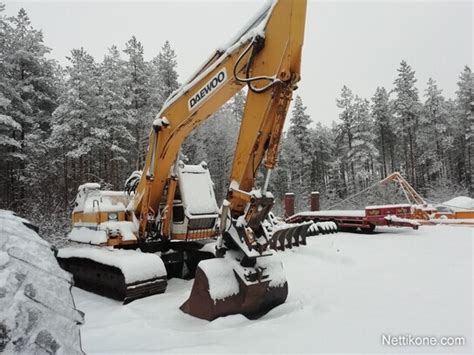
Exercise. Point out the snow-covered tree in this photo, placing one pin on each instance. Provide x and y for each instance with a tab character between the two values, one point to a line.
345	133
303	158
138	95
382	115
407	110
164	78
115	119
363	154
465	122
432	134
28	94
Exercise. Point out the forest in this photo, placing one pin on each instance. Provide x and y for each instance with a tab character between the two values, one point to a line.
89	122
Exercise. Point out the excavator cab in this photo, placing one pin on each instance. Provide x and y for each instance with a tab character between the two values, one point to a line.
195	210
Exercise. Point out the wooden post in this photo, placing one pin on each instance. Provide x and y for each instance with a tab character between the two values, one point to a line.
314	201
289	204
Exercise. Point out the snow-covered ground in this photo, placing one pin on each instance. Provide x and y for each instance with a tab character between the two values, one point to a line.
346	292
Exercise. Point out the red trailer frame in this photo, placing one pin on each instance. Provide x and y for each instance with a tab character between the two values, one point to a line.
365	220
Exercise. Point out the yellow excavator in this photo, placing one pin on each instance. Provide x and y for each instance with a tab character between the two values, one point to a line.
163	224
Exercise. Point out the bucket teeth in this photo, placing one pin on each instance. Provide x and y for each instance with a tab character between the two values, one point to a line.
313	230
289	235
327	227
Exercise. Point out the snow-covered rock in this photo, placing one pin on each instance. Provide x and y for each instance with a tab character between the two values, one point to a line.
38	314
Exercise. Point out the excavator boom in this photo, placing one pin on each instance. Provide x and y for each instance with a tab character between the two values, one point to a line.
266	57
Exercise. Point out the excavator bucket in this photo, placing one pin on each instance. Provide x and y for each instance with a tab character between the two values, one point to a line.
221	287
124	275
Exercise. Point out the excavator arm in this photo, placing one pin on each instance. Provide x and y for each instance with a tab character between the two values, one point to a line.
265	56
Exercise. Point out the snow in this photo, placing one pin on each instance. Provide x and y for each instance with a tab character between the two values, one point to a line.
241	221
90	199
9	122
88	235
397	219
128	230
4	258
109	201
328	226
135	265
89	186
222	282
273	267
460	203
335	213
345	291
403	205
210	247
234	185
161	122
197	190
445	220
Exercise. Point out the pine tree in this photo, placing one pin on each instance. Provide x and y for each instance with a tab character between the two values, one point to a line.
164	78
322	145
10	128
465	121
28	95
382	116
345	133
77	131
303	160
407	110
138	96
115	120
363	154
433	133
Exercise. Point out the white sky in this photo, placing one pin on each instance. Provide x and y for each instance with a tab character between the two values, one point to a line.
359	44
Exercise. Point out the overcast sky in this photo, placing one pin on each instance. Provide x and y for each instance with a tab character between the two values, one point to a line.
353	43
